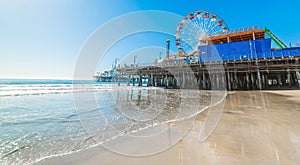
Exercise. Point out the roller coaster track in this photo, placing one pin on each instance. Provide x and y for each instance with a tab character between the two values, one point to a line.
277	41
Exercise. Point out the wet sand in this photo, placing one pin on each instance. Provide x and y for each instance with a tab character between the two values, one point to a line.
255	128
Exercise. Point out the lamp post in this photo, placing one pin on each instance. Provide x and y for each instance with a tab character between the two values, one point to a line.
168	47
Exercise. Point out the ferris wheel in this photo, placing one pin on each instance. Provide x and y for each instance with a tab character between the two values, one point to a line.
196	28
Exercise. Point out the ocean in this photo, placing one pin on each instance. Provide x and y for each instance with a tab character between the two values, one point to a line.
43	118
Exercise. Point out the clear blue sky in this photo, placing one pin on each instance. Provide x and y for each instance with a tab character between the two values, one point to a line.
42	39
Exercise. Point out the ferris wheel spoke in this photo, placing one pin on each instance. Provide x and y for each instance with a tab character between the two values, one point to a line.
199	27
203	24
190	43
184	36
191	27
214	26
208	26
196	44
212	29
188	34
192	24
196	25
216	31
196	22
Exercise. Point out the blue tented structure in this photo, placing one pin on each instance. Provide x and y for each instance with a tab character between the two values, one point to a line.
284	53
245	50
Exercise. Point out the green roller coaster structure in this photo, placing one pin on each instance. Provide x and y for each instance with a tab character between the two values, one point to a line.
277	41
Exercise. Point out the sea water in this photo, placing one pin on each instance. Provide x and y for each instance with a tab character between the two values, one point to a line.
42	118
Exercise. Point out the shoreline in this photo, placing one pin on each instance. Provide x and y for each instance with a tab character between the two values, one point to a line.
93	147
230	143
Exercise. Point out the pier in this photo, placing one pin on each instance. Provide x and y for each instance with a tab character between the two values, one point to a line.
281	73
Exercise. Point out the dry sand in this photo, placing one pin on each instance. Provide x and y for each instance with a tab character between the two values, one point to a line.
255	128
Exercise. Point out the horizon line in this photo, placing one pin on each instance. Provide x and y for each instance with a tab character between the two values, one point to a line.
41	78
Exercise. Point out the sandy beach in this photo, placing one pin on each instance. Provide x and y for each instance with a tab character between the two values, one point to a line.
255	128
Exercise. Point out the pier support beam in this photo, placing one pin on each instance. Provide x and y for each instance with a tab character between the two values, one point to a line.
247	81
199	81
195	82
236	80
259	80
157	80
204	81
228	81
152	80
263	80
183	80
149	82
140	80
289	78
128	80
298	78
279	80
218	81
166	81
133	81
199	77
252	81
297	73
213	80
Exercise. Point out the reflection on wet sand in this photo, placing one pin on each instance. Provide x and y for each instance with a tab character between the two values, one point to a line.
256	128
161	105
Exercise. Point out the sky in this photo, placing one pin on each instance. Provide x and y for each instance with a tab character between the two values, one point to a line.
43	39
